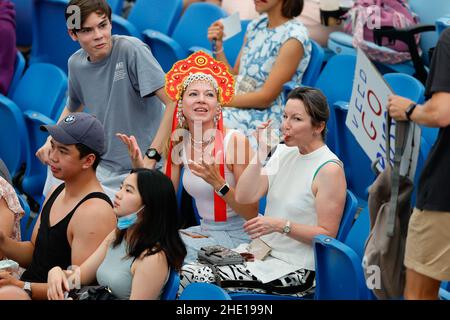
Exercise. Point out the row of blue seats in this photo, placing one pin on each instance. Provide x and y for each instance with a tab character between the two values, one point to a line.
36	98
24	15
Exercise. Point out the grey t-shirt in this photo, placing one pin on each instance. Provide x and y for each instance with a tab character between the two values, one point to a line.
119	91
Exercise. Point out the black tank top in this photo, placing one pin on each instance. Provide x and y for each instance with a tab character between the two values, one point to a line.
52	246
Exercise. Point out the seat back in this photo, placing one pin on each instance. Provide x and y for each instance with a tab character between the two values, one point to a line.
204	291
13	136
27	222
339	274
314	66
233	45
171	288
35	173
348	216
409	87
429	12
156	15
342	66
123	27
24	14
359	232
51	43
42	89
192	29
357	164
19	67
116	6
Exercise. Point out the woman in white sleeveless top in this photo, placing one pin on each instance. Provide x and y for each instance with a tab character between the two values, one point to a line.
306	189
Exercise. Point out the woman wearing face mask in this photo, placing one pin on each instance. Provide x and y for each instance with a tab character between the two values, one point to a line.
134	261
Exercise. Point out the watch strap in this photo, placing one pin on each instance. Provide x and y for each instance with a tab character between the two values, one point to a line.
409	111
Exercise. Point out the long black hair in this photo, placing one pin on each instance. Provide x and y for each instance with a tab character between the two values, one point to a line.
157	227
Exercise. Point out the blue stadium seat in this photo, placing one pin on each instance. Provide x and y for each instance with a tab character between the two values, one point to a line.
339	273
41	89
39	95
204	291
351	206
314	66
233	46
19	67
410	88
27	222
116	6
51	43
312	72
357	164
348	216
13	136
171	289
444	291
189	35
442	24
35	172
156	15
428	11
343	67
24	14
123	27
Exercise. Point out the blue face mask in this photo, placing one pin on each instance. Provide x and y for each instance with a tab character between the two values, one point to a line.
127	221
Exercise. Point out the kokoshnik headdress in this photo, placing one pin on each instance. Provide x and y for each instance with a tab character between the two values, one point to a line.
201	67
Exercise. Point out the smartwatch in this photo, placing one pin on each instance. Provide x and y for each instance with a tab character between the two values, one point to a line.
223	190
27	287
287	227
153	154
410	110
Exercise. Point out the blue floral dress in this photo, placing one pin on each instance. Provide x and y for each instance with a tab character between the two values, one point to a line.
258	56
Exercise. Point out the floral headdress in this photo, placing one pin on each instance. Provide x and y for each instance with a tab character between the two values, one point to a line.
201	67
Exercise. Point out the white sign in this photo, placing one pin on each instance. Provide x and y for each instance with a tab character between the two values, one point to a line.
366	117
231	26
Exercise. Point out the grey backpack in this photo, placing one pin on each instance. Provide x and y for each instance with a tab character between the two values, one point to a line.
390	209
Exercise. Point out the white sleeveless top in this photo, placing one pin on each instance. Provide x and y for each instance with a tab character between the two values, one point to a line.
203	192
290	197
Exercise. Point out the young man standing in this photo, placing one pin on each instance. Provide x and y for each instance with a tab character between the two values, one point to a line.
427	255
119	81
76	216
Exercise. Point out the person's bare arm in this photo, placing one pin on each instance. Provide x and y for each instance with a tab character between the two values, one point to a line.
434	113
165	127
240	153
58	279
6	221
149	275
211	174
329	188
89	226
284	68
22	251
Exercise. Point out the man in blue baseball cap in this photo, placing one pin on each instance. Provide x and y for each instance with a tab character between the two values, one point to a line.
76	216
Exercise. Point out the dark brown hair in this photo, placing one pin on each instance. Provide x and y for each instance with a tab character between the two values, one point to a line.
315	103
292	8
86	8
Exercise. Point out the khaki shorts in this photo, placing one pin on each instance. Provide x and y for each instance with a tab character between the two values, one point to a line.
428	244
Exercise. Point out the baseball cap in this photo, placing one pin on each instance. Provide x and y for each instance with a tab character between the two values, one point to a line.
79	127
